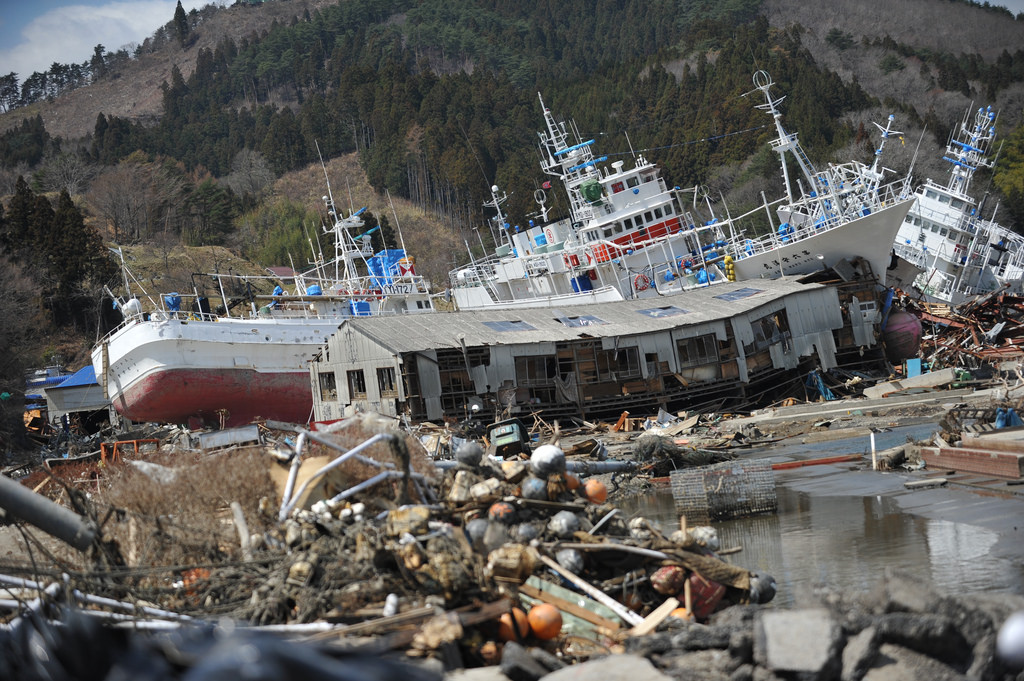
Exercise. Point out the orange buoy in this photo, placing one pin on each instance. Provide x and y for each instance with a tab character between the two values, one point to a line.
545	621
595	491
572	483
683	614
513	626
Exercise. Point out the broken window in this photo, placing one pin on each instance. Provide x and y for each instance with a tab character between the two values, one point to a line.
697	351
582	320
386	382
769	330
651	360
615	365
356	385
328	387
539	370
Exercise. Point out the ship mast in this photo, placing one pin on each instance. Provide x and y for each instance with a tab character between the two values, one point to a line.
785	141
969	150
572	163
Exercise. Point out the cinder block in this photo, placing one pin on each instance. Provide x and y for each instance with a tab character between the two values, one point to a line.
986	462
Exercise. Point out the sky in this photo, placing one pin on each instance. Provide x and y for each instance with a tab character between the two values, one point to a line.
36	33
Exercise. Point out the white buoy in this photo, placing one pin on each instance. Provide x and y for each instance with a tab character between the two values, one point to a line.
1010	641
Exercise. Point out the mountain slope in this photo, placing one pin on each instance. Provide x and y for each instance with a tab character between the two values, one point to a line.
136	95
928	26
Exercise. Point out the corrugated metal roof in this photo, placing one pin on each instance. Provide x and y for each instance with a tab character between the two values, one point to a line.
415	332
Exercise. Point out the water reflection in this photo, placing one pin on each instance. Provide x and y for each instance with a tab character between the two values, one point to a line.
848	542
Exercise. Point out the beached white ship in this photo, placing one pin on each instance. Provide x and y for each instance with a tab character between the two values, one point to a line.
628	235
956	251
178	363
841	212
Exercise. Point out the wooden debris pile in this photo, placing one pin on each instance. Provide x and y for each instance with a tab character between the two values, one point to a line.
982	332
355	533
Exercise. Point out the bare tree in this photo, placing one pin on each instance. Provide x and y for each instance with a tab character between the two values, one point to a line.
250	174
127	197
9	176
66	171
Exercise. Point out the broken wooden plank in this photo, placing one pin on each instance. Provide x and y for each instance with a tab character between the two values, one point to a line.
659	615
601	597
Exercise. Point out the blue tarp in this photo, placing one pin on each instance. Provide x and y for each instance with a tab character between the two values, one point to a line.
84	376
814	380
384	265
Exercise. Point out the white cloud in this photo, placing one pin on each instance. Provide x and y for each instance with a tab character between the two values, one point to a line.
69	34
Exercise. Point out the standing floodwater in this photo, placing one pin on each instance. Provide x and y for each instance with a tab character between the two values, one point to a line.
831	530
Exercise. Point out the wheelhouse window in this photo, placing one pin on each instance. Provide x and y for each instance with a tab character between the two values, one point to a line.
356	384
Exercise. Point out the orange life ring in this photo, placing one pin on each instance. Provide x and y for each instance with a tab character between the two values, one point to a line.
641	282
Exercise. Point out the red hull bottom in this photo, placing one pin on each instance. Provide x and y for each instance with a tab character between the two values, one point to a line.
196	396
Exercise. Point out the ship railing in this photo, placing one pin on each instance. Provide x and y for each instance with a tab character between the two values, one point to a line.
164	313
915	256
474	274
822	213
936	283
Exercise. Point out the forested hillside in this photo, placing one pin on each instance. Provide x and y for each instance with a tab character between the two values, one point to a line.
439	100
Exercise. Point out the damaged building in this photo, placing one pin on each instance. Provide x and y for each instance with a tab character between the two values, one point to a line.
721	347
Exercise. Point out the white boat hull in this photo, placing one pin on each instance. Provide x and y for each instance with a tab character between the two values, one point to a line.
179	371
870	237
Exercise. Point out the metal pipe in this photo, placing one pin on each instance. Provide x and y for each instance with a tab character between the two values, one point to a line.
287	507
127	607
55	520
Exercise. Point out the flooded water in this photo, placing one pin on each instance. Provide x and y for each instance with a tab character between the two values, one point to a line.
847	540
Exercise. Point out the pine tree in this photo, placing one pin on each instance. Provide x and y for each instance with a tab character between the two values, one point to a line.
181	28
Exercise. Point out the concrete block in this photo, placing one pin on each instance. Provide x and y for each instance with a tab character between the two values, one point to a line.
804	641
611	668
518	665
895	663
859	654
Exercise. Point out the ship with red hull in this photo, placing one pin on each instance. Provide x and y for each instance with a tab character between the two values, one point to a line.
179	363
